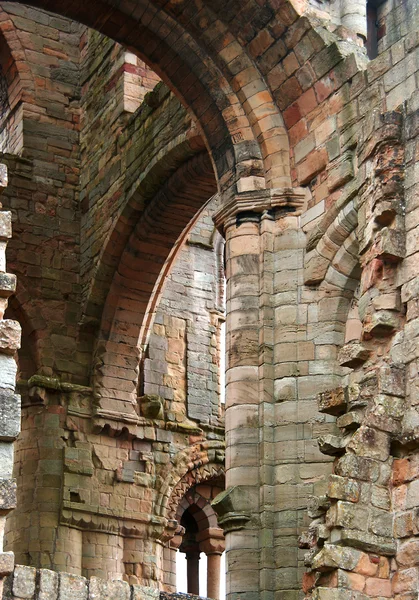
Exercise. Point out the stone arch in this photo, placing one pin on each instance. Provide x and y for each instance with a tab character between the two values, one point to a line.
199	52
189	467
32	323
191	498
175	154
328	239
332	265
18	83
209	518
137	283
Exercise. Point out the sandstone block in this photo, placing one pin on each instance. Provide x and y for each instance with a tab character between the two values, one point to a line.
332	402
24	582
10	332
108	590
368	542
6	459
336	557
8	369
5	225
9	416
48	585
72	587
382	323
357	467
331	444
370	443
353	355
317	506
7	493
140	592
7	284
343	488
350	420
7	563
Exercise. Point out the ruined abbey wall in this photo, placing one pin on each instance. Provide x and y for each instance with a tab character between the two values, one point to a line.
308	150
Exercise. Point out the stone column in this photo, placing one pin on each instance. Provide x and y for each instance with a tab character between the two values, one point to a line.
211	542
192	572
354	16
247	223
9	401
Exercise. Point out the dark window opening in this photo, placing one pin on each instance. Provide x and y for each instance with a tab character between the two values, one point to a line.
374	32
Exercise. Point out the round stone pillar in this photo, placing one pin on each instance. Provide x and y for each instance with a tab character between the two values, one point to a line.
211	542
192	571
250	222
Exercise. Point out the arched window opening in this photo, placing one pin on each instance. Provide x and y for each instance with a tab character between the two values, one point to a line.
200	545
11	111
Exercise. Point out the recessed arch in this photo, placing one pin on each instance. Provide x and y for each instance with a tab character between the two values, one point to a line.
200	57
138	280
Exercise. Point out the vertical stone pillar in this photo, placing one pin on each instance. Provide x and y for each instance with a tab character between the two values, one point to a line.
211	542
354	16
213	576
9	402
192	572
249	223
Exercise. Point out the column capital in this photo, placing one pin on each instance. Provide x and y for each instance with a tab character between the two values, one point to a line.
254	203
211	540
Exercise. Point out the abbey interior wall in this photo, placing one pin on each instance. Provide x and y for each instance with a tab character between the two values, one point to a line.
120	331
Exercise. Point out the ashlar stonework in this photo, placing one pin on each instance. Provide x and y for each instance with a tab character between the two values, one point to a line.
170	170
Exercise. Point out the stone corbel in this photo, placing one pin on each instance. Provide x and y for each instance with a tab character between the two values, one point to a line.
285	200
230	507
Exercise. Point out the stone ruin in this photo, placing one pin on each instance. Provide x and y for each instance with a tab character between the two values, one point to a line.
168	167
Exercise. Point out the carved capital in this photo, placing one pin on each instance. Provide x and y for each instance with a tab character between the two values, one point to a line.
231	507
251	205
211	540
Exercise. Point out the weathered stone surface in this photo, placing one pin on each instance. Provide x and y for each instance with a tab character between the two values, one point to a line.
7	284
343	488
7	491
10	332
317	506
5	224
332	402
48	585
72	587
8	370
121	282
368	542
334	557
332	444
370	443
353	355
24	582
9	415
7	563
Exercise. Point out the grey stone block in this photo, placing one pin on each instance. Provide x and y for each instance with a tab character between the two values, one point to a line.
9	415
24	582
72	587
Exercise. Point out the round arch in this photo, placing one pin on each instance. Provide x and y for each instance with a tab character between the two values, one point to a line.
197	50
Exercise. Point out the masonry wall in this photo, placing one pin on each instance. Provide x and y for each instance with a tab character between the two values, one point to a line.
94	493
321	306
